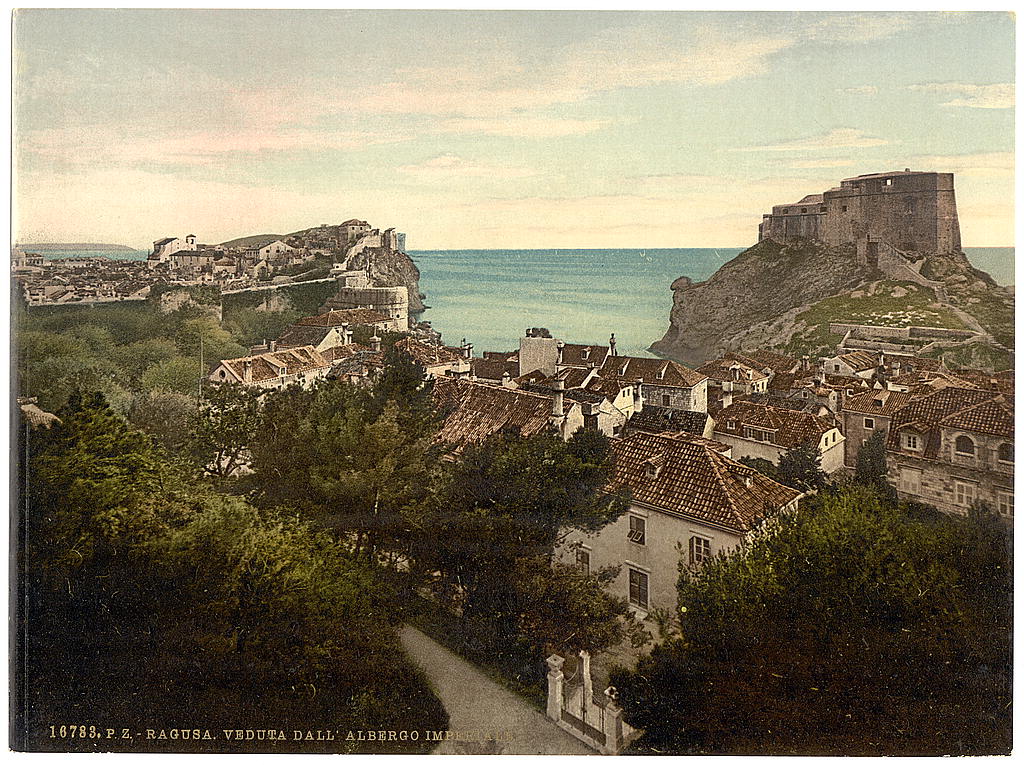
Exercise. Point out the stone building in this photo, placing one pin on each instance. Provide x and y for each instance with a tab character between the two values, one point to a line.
275	369
164	248
954	448
767	432
689	499
909	211
392	302
866	414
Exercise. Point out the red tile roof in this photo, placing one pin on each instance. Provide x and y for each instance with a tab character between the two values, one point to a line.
426	353
881	402
270	365
652	371
476	411
789	427
690	479
494	369
979	411
726	369
577	355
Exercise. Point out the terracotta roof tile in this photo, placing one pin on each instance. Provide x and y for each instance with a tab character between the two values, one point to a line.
476	411
882	402
494	369
725	369
577	355
691	480
789	427
270	365
652	371
975	410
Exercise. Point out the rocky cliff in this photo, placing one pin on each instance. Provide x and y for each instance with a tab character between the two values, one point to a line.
386	266
760	284
785	297
389	268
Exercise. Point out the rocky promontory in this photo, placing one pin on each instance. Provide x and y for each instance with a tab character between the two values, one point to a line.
760	284
785	296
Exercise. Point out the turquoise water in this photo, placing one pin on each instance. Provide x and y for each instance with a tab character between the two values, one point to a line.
490	297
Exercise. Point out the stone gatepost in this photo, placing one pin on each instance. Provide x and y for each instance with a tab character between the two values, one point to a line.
588	684
612	723
555	678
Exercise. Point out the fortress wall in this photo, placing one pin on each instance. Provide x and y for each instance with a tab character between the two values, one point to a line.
910	211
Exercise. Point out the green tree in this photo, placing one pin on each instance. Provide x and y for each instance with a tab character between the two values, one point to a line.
872	469
800	468
854	628
507	501
180	374
165	416
224	427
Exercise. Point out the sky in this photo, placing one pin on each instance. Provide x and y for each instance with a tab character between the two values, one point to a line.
477	129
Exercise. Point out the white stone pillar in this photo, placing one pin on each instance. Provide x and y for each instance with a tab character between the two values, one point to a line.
612	723
555	678
588	684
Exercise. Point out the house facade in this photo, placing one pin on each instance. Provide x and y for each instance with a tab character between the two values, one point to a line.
767	432
867	414
954	448
689	499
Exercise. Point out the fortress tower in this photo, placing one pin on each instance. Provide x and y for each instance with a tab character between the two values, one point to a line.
909	211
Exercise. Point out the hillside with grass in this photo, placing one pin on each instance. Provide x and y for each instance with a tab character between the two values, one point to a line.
785	297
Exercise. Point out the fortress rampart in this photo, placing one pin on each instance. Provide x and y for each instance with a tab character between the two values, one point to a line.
910	211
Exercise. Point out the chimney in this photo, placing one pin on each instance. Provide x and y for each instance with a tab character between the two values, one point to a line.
638	396
611	345
561	348
506	380
558	404
272	345
467	349
726	399
247	370
346	333
375	343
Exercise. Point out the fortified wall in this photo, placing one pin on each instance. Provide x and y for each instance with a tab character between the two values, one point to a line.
910	211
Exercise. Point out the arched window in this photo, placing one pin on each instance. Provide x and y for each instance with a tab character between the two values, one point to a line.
964	445
1006	452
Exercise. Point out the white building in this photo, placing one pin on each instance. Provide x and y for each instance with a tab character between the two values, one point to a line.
688	499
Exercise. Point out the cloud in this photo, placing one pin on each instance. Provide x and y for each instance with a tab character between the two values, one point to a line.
811	164
859	90
995	96
449	166
839	138
116	145
858	27
524	127
985	164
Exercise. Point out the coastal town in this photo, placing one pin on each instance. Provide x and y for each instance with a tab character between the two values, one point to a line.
240	265
700	456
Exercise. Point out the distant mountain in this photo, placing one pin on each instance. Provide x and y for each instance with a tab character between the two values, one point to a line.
99	246
252	241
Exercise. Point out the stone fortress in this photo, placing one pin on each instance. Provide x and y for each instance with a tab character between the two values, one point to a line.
910	212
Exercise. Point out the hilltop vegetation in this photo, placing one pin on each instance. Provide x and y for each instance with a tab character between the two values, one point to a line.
785	296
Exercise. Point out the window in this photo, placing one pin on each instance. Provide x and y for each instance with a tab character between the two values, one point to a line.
666	400
637	530
835	367
869	423
730	425
700	550
963	493
845	208
1005	503
803	209
910	441
910	480
964	445
639	584
583	561
1006	452
888	181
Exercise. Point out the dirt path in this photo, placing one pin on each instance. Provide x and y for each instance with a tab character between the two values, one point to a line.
489	718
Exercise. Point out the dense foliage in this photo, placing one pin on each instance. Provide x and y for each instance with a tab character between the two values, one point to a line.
852	627
152	601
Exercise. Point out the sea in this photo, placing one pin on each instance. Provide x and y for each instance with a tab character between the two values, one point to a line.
490	297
